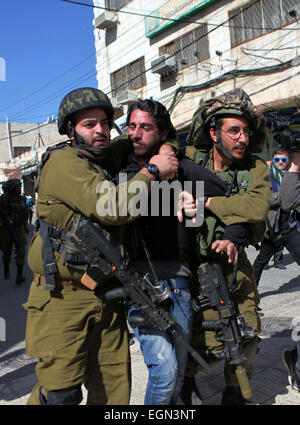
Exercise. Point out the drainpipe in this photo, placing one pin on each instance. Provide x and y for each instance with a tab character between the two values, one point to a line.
10	146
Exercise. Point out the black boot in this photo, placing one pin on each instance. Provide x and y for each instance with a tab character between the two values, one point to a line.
190	394
6	271
20	278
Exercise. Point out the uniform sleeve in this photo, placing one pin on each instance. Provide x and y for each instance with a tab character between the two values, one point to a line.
174	143
121	146
25	212
290	191
249	207
192	172
69	185
2	210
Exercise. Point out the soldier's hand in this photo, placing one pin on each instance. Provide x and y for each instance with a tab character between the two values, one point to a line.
166	149
167	164
228	247
186	206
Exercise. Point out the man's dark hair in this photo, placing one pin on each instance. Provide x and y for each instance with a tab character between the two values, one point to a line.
157	111
281	151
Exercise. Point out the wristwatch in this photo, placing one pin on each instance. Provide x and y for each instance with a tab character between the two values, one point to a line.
153	169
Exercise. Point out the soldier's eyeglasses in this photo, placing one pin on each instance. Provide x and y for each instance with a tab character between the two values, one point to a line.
235	132
276	159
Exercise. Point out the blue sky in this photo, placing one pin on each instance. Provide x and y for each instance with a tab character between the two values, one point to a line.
48	49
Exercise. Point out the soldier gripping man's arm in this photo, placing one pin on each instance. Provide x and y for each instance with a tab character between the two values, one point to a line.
226	133
77	336
66	323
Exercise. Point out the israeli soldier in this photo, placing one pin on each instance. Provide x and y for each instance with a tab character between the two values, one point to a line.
13	227
77	336
225	134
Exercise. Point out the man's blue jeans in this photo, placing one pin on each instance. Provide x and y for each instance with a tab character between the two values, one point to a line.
164	357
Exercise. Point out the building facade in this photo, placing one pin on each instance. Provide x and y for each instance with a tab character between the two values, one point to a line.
184	52
21	148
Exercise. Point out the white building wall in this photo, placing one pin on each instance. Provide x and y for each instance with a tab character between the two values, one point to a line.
128	42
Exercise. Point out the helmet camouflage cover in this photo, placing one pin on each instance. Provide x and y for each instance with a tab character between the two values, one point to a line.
234	102
80	99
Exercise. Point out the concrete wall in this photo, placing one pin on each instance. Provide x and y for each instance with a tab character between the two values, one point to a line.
22	136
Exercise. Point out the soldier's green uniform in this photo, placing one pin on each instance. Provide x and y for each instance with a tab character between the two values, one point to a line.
76	335
248	203
13	226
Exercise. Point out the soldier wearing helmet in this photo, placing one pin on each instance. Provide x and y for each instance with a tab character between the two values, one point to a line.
13	227
225	134
76	335
77	101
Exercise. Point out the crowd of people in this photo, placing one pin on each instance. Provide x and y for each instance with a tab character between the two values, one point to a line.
75	332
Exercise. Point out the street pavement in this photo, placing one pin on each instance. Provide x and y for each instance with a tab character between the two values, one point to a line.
280	309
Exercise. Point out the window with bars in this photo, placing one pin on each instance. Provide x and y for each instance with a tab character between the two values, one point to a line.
20	150
188	49
260	18
116	4
130	77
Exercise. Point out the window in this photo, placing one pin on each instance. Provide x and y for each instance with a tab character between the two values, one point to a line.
130	77
20	150
262	17
189	49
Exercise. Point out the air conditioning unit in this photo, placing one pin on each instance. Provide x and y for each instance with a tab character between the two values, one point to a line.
163	66
117	108
126	97
106	20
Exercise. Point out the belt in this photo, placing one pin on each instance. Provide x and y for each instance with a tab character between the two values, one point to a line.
62	284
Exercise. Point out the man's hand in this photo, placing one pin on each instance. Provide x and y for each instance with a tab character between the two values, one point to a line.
168	150
207	203
186	206
228	247
167	163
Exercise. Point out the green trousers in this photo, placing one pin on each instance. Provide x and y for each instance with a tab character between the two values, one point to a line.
246	298
78	337
7	243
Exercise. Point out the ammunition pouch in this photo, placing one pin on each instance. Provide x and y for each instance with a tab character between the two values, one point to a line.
57	240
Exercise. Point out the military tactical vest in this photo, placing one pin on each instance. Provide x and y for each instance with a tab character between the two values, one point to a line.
15	209
238	182
55	239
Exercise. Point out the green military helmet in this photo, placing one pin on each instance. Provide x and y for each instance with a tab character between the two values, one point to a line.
80	99
235	102
10	185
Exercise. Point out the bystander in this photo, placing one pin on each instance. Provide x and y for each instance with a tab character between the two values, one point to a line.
290	205
273	244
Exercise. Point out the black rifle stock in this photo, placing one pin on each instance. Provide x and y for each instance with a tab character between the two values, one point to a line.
142	292
231	327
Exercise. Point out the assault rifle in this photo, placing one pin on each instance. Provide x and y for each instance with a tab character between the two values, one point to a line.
231	327
141	292
9	224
